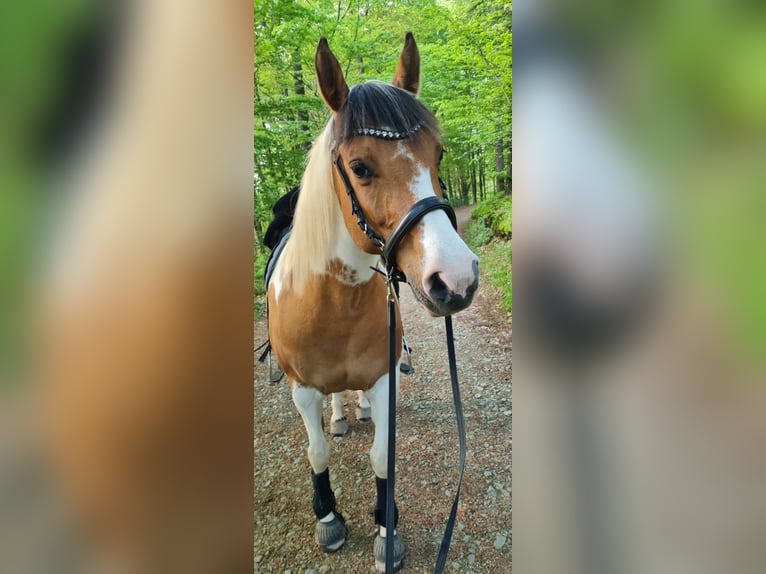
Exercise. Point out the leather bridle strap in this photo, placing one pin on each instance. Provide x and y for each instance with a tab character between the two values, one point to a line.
391	458
441	559
413	216
393	276
356	209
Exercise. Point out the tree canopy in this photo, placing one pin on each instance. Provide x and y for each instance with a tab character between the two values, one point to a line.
466	79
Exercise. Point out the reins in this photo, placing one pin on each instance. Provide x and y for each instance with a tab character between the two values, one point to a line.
393	276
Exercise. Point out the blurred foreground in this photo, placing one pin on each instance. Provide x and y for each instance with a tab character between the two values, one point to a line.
126	302
640	317
127	287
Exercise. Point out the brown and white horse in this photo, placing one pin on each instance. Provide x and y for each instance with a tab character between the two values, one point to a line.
327	306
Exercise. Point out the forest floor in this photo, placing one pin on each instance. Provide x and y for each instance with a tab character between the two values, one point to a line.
426	456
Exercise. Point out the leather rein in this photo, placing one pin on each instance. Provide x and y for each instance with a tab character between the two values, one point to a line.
394	276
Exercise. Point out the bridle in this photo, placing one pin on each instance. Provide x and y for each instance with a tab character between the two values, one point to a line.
389	247
394	276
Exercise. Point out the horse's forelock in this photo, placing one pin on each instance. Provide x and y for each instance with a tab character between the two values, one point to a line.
371	105
377	105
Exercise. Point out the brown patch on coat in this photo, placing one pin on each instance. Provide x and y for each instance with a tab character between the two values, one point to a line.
332	336
342	272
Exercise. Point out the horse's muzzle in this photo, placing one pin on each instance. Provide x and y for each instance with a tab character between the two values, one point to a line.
445	300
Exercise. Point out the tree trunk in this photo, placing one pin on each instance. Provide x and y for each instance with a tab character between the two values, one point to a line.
463	188
473	176
499	166
481	177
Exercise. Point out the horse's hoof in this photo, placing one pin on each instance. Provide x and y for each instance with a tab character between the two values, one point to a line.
406	369
363	413
330	535
379	549
339	428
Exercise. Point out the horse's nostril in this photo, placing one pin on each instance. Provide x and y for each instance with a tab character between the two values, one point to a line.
437	288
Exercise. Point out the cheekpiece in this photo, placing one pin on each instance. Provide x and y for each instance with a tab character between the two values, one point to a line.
386	134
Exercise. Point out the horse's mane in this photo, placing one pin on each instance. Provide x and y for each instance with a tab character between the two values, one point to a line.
370	105
317	218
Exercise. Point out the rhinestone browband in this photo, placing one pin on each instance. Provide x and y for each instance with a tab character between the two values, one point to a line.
386	134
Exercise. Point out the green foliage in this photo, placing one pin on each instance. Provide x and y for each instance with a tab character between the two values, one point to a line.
477	233
496	214
488	234
260	256
495	260
497	269
466	78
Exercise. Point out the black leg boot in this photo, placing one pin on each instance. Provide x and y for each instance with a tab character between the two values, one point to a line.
329	535
379	548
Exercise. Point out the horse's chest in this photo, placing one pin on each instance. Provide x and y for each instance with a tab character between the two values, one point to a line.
332	339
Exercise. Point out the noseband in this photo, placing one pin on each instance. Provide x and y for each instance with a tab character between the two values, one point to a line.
414	215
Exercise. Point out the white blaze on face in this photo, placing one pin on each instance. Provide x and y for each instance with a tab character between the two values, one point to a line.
444	252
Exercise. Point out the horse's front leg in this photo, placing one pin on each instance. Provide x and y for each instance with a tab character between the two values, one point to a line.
330	529
378	397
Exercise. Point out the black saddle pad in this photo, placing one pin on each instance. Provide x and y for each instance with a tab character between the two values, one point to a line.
284	212
279	230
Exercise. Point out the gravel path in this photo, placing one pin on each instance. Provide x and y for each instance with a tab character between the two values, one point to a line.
426	456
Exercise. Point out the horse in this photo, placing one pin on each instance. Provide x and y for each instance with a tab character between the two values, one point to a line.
377	157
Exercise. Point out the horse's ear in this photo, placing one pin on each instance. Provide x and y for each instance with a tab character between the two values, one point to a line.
332	86
407	74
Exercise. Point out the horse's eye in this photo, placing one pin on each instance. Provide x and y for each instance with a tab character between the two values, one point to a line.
360	170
